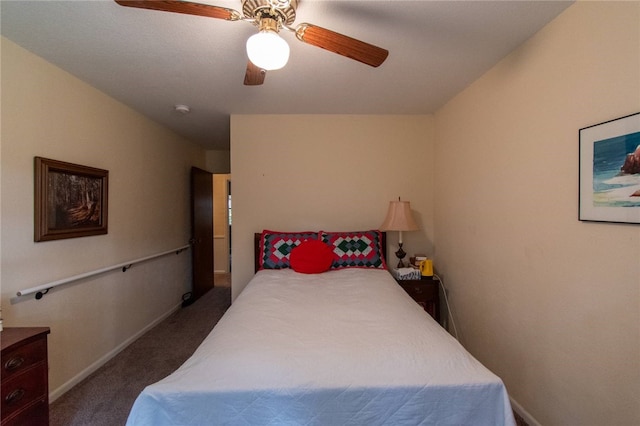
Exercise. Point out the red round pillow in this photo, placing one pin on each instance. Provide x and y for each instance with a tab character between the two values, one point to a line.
311	257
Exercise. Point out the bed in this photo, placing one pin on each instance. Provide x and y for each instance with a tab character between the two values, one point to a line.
342	347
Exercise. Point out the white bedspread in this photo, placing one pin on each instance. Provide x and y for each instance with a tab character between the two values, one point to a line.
346	347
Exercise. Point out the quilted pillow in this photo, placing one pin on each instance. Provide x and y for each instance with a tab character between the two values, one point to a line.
361	249
311	257
275	247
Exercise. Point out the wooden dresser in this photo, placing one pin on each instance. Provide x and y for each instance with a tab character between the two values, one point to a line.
25	376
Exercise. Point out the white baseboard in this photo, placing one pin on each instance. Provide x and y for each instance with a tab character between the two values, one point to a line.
57	393
523	413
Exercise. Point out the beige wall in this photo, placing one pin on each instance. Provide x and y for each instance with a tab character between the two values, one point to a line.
551	304
218	161
47	112
307	172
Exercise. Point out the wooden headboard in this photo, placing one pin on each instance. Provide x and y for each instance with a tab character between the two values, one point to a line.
256	249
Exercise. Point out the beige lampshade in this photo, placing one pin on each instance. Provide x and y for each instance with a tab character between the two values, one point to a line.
399	217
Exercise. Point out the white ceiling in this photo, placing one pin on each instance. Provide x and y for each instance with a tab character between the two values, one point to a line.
154	60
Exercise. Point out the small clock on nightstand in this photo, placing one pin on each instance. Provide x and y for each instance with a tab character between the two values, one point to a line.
425	293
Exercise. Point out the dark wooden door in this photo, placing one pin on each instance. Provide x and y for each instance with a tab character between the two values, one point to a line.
201	231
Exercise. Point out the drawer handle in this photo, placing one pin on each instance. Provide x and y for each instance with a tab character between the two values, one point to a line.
15	396
14	363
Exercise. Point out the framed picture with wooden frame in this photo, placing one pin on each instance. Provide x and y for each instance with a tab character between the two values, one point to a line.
70	200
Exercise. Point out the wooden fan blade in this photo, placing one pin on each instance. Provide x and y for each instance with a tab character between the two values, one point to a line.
254	75
341	44
186	7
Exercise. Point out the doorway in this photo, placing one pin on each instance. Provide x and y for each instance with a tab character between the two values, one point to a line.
202	246
222	219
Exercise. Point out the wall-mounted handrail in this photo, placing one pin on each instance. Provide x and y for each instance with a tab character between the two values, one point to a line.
43	289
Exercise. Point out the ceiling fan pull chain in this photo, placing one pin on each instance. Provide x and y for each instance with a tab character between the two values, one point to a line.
287	27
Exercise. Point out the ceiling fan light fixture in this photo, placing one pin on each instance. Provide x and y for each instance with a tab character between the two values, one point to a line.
268	50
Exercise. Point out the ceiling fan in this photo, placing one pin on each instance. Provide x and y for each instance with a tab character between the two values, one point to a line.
266	50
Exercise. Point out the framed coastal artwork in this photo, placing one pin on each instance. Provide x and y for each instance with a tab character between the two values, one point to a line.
70	200
610	171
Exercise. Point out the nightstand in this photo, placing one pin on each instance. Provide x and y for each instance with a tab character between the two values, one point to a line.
426	293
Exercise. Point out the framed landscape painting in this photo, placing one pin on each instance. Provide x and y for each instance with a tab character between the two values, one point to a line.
70	200
610	171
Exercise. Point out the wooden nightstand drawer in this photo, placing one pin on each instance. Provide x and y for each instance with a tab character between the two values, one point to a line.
419	291
426	293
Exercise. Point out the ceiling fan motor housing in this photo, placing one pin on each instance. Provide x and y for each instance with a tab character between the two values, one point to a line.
285	10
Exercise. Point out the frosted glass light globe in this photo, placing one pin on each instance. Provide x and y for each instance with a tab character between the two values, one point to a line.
268	50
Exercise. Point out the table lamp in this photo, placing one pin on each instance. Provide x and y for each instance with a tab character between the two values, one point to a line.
399	218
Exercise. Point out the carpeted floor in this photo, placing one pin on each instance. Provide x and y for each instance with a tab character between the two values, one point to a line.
105	397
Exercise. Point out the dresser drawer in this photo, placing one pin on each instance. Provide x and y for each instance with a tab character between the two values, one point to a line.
17	360
24	390
24	396
35	415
